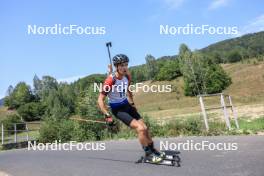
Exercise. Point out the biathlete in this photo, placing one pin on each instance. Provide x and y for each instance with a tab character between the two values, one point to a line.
120	100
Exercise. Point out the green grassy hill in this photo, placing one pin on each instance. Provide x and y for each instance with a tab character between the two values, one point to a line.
250	45
247	91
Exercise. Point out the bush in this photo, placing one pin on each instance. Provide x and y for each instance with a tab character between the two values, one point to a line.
49	131
216	79
9	121
192	126
54	129
31	111
234	56
154	128
67	130
216	58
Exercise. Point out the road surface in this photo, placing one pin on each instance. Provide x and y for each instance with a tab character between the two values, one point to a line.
119	156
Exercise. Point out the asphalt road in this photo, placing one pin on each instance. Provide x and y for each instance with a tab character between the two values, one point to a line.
119	156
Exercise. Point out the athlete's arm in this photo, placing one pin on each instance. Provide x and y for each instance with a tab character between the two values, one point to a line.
106	88
110	69
130	96
129	93
101	104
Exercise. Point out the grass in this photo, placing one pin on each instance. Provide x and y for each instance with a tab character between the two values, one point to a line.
195	127
246	91
177	127
252	126
34	126
4	112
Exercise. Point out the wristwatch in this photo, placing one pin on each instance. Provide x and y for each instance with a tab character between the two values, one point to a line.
107	114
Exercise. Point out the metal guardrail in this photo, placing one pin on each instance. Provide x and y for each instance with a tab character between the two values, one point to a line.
15	132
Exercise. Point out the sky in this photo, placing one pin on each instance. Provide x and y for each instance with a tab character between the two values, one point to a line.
132	26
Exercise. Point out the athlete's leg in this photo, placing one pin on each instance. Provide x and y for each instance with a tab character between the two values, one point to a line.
131	118
141	130
151	143
147	131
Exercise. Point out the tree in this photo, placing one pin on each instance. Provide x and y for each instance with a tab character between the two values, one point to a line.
49	82
139	74
193	70
202	75
20	95
170	70
183	49
216	58
152	68
234	56
86	105
55	107
10	90
37	86
216	79
8	101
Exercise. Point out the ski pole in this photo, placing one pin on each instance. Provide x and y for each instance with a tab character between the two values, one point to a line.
108	45
87	120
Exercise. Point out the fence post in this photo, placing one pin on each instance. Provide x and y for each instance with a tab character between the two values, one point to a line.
27	132
234	111
225	112
15	135
204	113
2	125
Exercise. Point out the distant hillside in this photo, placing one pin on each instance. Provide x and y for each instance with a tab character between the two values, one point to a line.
249	45
246	90
83	83
1	102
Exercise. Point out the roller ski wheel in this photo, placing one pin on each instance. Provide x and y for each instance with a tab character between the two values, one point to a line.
166	158
173	155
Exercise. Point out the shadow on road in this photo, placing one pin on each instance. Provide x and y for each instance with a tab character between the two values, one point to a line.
109	159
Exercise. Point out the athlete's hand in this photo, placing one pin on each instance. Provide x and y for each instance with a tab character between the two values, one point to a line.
110	69
108	119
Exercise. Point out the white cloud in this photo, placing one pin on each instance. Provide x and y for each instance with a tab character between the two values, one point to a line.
173	4
70	79
217	4
255	25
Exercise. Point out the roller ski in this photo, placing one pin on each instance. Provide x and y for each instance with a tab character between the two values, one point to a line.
169	158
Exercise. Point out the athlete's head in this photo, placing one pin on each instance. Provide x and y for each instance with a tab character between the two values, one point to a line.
121	63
